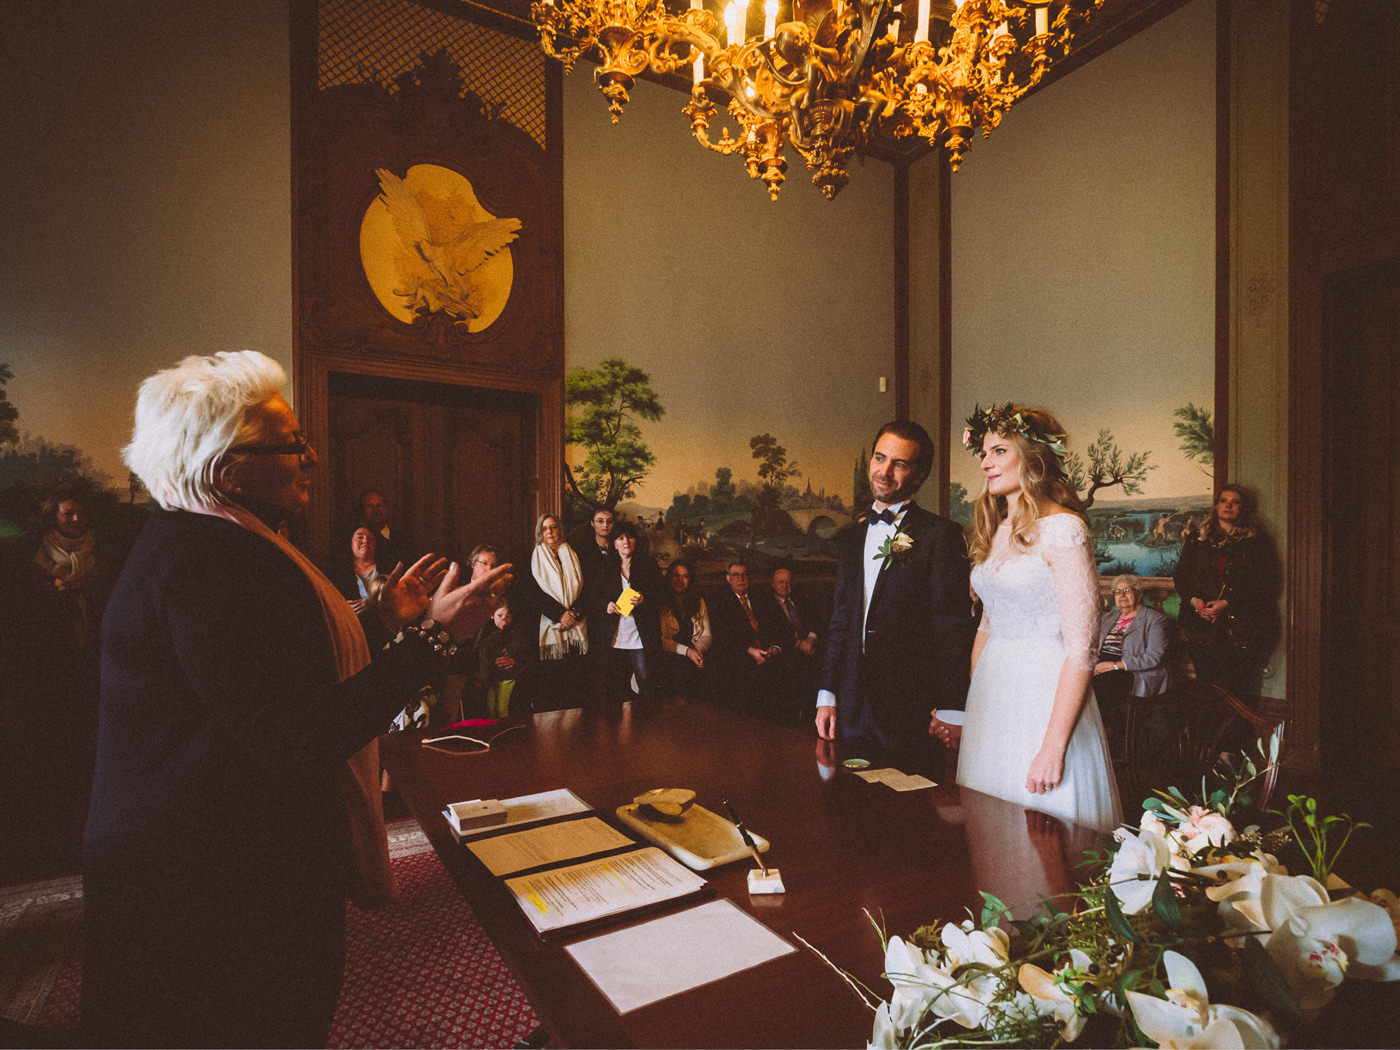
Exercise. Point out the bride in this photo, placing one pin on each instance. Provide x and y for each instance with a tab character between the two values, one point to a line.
1032	732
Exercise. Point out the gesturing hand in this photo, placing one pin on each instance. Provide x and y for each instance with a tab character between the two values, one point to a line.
463	609
405	594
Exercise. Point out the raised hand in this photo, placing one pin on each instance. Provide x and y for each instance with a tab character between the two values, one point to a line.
463	607
406	594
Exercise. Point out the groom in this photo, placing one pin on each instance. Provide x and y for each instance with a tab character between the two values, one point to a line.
901	632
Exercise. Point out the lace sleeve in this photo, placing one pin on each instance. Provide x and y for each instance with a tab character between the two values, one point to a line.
983	624
1067	548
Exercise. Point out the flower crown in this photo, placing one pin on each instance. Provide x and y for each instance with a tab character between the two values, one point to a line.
1009	419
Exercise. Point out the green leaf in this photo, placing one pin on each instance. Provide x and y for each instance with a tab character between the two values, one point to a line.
1114	911
992	910
1155	805
1164	903
1268	979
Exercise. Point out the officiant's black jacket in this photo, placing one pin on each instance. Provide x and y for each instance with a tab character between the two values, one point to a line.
216	855
917	638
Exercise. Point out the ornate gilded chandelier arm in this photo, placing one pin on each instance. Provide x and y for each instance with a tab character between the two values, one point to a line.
828	77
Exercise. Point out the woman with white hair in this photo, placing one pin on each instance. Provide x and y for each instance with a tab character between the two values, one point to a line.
236	684
556	592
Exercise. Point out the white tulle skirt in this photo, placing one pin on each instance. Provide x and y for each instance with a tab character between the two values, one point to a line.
1008	710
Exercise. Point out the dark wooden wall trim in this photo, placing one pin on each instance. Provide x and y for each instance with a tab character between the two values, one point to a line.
1223	325
901	289
945	332
1344	213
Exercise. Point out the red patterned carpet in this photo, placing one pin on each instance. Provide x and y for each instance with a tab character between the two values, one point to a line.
420	973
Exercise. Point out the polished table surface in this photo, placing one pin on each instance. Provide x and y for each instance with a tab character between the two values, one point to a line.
844	847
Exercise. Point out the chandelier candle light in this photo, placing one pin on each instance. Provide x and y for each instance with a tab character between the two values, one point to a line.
827	78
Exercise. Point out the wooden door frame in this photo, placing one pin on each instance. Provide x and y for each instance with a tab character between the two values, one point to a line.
312	388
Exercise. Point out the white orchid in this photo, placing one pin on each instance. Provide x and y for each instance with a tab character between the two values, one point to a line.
1315	940
1186	1018
1051	998
1140	859
924	984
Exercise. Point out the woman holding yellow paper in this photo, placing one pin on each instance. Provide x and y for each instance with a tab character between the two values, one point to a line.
629	601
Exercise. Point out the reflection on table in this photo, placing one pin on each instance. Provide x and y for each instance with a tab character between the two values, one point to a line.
845	848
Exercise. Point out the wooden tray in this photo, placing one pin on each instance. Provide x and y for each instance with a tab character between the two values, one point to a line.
700	839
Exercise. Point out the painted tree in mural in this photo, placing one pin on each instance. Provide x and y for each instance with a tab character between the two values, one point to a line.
774	472
9	433
604	405
860	484
1193	425
1106	468
959	507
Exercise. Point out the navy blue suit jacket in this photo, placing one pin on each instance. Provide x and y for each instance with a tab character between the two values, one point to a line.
913	655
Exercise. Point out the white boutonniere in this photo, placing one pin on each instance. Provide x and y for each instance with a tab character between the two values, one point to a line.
895	548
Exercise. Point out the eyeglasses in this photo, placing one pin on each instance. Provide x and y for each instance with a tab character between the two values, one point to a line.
1124	590
298	446
738	575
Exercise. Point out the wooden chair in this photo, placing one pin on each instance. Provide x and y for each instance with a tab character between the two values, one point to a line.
1266	733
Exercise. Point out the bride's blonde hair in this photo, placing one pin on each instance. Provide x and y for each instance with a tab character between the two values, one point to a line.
1039	441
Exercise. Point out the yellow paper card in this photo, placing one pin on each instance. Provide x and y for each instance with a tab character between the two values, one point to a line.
626	600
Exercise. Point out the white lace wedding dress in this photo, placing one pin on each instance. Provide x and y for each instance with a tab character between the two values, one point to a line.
1040	607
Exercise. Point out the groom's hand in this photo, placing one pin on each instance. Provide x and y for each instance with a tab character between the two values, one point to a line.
826	723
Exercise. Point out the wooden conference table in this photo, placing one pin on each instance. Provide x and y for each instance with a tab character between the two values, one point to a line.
844	847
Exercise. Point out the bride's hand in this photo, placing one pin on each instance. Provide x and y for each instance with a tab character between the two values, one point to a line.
1046	772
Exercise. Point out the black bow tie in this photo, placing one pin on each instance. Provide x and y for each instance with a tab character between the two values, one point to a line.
886	515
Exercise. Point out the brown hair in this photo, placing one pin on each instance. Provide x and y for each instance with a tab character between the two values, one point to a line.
1043	483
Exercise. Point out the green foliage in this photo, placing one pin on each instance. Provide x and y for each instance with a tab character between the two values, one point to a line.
9	433
604	404
723	493
959	506
774	470
1197	433
1107	467
1312	833
860	488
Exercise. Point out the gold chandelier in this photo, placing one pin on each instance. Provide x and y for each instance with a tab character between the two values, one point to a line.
828	78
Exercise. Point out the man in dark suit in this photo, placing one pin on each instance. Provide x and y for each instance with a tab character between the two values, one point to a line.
745	640
900	637
795	628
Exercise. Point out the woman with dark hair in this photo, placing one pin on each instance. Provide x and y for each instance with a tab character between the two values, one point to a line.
236	799
1033	733
359	567
685	633
1226	578
630	599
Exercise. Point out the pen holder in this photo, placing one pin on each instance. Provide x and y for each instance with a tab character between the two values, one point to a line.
769	881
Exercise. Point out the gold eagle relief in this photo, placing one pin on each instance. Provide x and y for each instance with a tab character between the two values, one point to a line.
428	246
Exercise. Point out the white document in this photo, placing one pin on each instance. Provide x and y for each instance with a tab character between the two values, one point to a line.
895	779
595	889
528	809
672	954
550	844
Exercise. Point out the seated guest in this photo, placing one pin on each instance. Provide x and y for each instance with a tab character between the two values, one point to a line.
685	633
500	650
1134	641
225	824
483	559
393	542
555	597
362	567
744	642
795	667
630	634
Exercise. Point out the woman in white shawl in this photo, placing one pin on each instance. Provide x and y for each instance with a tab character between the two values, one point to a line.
563	636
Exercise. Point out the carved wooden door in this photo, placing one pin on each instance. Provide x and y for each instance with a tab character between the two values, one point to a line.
456	464
1361	642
